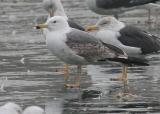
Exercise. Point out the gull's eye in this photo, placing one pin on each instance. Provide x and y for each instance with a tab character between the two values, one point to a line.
54	21
106	22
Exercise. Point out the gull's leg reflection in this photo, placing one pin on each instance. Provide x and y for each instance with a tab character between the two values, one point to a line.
77	80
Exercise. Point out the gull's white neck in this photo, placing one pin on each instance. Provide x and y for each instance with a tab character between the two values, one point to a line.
57	38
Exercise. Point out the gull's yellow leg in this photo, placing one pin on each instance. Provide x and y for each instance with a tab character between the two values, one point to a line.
78	77
77	80
126	95
66	72
125	76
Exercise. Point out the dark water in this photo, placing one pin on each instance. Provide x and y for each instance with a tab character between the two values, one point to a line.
31	73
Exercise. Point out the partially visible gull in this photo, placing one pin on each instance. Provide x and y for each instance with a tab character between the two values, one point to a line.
80	48
109	7
33	110
55	8
10	108
132	40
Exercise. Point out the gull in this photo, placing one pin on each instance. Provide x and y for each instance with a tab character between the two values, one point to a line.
33	110
22	60
55	8
80	48
109	7
134	41
10	108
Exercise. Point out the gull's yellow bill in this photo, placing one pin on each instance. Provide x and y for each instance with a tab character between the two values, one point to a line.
91	28
41	26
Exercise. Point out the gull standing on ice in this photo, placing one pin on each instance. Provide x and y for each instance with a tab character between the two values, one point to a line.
134	41
55	8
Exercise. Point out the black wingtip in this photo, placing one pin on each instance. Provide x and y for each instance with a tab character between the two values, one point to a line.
131	60
139	61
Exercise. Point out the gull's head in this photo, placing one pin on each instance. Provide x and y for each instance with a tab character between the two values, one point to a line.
13	106
107	21
110	23
51	6
33	110
56	23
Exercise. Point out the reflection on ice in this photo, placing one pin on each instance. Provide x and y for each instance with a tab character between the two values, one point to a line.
54	107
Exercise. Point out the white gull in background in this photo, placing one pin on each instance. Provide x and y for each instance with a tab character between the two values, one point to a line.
54	107
10	108
34	110
80	48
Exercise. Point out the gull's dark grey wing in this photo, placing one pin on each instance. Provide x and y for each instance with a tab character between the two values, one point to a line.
135	37
109	4
73	24
96	52
128	60
87	46
116	49
139	2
